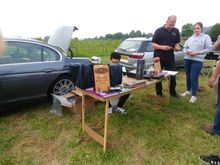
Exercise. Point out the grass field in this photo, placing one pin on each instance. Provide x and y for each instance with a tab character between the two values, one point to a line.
151	133
89	48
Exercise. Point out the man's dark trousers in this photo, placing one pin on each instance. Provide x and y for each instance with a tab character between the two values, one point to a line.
167	64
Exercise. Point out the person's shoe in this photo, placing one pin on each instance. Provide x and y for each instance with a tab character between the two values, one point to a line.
208	129
187	93
110	110
193	99
120	110
211	159
160	94
176	96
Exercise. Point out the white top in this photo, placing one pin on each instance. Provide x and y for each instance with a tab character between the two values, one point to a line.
201	43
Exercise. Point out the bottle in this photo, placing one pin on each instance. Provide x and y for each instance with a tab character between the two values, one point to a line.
140	69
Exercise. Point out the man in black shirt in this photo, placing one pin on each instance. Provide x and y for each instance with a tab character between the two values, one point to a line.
165	41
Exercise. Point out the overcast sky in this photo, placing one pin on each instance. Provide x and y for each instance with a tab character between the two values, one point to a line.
39	18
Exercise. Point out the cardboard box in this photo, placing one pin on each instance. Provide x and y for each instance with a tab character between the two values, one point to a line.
89	104
77	107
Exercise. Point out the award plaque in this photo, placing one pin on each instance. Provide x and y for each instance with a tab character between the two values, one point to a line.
101	78
157	65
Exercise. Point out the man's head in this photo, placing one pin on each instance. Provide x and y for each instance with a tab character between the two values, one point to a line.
115	57
170	23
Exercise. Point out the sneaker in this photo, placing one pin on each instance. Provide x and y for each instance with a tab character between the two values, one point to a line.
193	99
208	129
120	110
110	110
175	96
211	159
187	93
160	94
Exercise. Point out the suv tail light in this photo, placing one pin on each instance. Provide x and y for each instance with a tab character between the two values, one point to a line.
137	55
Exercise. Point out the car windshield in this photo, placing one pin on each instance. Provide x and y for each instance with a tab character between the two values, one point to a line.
130	45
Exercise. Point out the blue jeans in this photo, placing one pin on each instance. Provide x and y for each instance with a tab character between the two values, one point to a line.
192	69
216	124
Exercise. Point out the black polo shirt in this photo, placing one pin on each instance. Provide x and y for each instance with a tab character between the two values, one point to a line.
164	37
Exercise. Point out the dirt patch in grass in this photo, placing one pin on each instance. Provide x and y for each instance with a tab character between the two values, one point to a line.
140	153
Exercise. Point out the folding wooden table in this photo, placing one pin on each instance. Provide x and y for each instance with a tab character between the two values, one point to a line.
103	139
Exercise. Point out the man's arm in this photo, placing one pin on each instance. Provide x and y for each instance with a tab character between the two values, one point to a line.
216	71
177	47
214	75
216	45
161	47
2	44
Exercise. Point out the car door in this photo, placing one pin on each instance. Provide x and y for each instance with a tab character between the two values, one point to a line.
26	70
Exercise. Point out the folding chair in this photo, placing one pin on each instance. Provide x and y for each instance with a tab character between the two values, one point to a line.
210	62
208	67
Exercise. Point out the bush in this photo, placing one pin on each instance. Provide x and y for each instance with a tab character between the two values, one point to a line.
215	32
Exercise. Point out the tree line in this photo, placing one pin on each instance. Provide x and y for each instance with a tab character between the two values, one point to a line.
212	31
122	36
186	32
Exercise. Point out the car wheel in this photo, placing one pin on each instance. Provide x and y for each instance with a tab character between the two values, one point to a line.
62	85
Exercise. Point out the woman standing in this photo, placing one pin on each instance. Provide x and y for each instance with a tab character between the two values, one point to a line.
195	49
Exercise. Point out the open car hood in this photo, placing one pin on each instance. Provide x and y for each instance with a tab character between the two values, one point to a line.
61	37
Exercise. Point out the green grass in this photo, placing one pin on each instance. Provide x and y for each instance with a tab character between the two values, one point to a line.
88	48
151	133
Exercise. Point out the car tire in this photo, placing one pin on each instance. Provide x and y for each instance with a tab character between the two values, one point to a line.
62	85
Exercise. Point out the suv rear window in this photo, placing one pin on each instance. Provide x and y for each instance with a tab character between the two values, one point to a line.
146	47
131	45
134	45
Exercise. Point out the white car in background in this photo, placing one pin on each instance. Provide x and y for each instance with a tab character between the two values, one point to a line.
133	49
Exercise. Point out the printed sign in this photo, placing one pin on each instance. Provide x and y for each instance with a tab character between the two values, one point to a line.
101	77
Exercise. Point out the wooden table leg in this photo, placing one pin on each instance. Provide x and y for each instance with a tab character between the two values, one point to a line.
167	89
83	112
106	126
166	92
